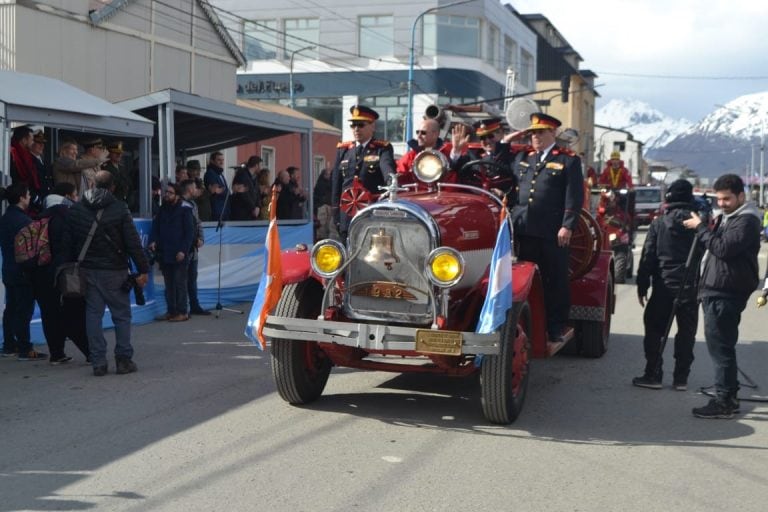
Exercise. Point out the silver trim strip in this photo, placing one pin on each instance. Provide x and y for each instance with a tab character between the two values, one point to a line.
368	336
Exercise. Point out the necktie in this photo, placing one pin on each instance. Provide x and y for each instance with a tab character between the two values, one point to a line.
539	156
358	152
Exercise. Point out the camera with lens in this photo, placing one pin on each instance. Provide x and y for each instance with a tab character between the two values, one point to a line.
131	284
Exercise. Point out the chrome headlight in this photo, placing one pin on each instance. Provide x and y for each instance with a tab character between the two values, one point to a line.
327	258
429	165
445	267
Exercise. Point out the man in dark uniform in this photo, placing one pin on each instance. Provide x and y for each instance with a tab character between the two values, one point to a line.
550	191
493	146
119	173
369	159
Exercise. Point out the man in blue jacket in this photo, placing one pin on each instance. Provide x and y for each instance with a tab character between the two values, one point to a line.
19	298
729	275
173	231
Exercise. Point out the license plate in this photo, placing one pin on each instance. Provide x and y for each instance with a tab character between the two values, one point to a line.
438	342
382	291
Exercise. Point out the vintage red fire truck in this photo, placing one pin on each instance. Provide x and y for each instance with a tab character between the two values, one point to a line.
405	291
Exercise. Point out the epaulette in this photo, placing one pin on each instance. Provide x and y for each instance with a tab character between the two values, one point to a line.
346	145
379	143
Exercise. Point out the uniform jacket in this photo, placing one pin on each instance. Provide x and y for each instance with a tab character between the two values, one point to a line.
622	178
116	222
550	193
121	179
729	268
504	176
666	250
215	175
374	167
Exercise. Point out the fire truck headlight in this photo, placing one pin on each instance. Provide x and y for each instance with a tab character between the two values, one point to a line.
445	267
327	258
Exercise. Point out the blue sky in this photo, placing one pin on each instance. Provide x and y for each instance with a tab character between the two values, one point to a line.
641	49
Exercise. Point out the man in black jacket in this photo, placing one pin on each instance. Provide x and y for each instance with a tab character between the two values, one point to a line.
663	260
729	275
106	269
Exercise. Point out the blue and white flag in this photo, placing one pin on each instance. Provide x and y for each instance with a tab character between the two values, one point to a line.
498	299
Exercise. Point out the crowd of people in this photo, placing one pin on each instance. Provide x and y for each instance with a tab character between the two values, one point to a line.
85	199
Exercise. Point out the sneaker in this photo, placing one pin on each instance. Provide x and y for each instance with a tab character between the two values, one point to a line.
100	371
9	354
716	409
32	355
647	382
60	360
199	311
125	366
680	385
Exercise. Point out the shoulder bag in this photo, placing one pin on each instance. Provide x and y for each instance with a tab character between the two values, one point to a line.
70	279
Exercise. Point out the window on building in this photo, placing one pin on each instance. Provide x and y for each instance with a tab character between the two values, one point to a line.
268	160
510	53
492	53
377	36
260	39
391	123
451	35
318	165
526	69
300	33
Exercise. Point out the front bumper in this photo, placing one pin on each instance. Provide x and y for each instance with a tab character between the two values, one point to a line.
371	337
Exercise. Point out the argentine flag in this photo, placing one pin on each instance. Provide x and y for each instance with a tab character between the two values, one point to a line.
498	299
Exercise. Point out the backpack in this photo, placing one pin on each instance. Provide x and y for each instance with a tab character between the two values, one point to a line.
32	246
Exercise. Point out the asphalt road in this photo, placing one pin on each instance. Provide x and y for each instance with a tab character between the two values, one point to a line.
200	428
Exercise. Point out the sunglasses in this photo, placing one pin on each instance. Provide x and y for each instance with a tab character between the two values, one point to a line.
490	136
357	125
421	132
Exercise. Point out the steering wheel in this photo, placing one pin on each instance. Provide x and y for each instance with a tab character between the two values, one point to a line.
483	173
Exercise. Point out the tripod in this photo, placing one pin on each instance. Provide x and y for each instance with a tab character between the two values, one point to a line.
220	228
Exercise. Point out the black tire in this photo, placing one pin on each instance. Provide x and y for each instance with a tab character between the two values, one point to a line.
504	377
300	368
620	266
595	335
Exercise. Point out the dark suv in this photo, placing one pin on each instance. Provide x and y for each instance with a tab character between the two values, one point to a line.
648	201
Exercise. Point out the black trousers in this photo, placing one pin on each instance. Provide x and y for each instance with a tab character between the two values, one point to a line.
553	265
61	319
655	318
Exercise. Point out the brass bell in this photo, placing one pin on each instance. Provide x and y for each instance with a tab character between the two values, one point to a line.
381	250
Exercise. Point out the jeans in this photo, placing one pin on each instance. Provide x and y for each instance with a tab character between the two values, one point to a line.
194	302
175	277
105	288
721	330
19	307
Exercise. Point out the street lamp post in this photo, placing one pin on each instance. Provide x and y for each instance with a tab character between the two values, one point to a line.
409	118
290	74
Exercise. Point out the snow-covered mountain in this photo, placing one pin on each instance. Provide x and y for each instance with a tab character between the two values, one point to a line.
646	124
721	142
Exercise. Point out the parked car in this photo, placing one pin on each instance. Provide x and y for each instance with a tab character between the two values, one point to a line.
648	202
404	293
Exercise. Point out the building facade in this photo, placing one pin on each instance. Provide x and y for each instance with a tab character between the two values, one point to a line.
327	57
120	49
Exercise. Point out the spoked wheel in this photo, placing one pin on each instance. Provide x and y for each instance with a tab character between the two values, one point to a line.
300	368
594	335
585	245
504	377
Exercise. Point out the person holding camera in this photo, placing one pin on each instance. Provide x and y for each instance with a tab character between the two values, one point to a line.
173	231
106	269
664	266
